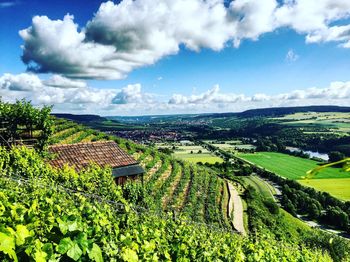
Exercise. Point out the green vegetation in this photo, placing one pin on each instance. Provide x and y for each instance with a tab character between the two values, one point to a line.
192	153
338	187
290	166
262	187
179	213
196	158
52	217
22	123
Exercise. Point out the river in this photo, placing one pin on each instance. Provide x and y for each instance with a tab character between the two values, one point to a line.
310	153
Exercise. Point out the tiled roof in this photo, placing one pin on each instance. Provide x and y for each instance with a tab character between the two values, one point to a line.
82	154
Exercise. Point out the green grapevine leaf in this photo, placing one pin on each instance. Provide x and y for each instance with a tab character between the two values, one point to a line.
65	245
7	245
21	234
40	256
130	255
95	253
83	242
62	225
75	252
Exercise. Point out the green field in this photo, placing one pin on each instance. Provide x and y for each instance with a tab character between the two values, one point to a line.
199	154
203	157
290	166
260	186
333	121
338	187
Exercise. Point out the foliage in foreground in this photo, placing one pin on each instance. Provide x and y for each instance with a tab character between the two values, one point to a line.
47	215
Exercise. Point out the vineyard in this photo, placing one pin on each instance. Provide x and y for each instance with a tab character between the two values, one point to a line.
47	215
171	184
181	212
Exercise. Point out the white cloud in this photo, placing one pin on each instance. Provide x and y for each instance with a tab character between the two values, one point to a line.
66	94
21	82
81	98
132	94
213	100
63	82
291	56
131	34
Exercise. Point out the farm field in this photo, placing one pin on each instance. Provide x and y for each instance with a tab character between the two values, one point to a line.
192	153
290	166
334	121
316	116
230	145
338	187
203	157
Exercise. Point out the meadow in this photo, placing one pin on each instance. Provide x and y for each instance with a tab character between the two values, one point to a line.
335	181
195	154
338	187
335	121
290	166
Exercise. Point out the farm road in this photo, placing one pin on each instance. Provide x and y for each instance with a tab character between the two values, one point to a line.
235	203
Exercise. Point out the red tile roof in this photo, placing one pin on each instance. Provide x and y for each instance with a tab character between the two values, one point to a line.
82	154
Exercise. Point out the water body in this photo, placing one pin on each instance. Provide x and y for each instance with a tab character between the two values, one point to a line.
310	153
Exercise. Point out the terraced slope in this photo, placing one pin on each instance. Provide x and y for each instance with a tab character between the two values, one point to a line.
173	185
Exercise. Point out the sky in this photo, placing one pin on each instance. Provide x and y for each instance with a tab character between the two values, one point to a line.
147	57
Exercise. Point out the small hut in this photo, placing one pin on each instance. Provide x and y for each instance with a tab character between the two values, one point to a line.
106	153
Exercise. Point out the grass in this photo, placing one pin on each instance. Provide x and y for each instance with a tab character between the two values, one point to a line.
195	158
184	153
260	186
338	187
330	120
290	166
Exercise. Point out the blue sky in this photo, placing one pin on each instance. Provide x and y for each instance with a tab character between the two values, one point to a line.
279	60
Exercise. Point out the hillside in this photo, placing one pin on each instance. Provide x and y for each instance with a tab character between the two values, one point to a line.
180	213
259	112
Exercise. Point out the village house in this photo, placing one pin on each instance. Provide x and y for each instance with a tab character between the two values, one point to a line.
106	153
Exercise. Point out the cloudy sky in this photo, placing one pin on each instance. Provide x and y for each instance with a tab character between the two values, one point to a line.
174	56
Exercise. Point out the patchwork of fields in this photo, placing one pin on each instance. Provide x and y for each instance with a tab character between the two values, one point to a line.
332	180
337	122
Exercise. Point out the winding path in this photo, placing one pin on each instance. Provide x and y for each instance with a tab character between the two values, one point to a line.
235	203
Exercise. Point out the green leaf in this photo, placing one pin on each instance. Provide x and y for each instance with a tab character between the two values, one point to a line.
130	255
95	253
7	245
72	225
62	225
83	242
40	256
75	252
48	248
65	245
21	234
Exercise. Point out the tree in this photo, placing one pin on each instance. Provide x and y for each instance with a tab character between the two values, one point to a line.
335	156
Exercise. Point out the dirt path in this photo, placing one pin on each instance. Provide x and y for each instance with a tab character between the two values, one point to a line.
235	204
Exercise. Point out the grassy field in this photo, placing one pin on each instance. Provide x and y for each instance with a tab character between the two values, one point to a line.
199	154
338	187
260	186
291	167
203	157
334	121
